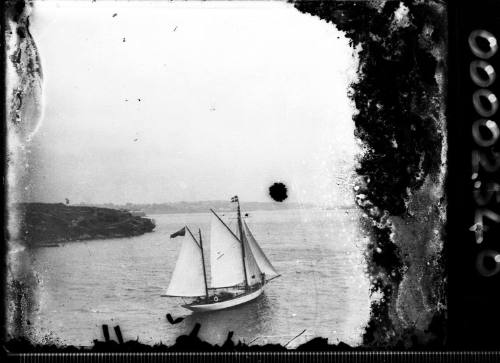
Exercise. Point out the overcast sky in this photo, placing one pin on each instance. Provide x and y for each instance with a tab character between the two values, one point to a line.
172	101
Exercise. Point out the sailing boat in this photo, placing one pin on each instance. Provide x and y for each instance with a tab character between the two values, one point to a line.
239	267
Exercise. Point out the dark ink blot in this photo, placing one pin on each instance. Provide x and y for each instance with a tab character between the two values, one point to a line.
278	192
172	320
105	333
115	14
123	40
119	335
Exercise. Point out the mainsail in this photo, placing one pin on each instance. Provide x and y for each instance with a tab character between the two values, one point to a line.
225	256
187	278
261	259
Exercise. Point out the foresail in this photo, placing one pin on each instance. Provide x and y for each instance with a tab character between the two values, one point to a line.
261	259
225	256
187	278
252	268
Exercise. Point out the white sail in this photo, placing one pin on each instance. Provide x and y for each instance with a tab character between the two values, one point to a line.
226	261
187	278
252	268
261	259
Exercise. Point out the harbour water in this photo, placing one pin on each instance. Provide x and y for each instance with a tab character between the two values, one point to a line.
322	289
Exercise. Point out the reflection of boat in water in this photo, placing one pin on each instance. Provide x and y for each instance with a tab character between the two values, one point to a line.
239	267
216	324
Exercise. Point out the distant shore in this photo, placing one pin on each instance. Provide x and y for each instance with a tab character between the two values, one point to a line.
44	224
205	206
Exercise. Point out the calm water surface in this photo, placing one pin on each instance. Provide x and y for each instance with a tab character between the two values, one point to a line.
323	288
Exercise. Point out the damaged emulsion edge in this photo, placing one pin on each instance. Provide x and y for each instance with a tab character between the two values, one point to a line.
400	175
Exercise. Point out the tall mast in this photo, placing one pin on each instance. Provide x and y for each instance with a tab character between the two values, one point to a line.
203	262
240	227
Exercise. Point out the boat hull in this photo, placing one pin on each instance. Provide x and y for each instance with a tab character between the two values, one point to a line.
242	299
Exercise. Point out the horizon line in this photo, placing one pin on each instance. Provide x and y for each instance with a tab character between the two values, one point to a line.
284	203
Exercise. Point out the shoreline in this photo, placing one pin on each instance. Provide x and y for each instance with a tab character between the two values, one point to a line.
48	225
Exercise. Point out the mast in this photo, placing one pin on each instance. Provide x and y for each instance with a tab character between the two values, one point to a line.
203	262
240	227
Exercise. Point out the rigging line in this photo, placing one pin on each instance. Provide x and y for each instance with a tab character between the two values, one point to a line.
229	229
303	331
272	278
195	241
253	340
